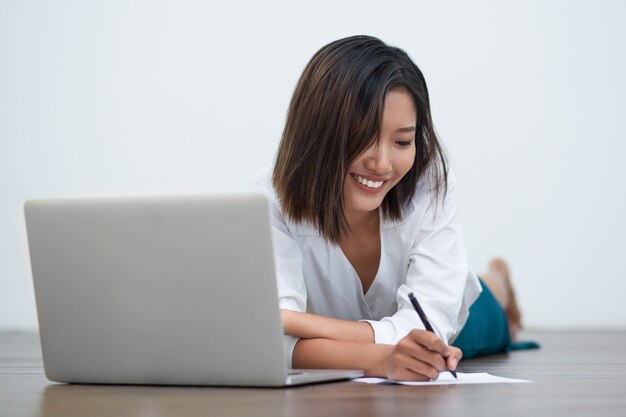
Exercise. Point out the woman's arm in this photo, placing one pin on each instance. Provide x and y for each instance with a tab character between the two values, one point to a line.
310	326
333	354
331	343
421	355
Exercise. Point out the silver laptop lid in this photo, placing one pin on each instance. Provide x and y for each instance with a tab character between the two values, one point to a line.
157	290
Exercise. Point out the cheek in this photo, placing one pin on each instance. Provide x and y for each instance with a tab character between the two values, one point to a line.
405	163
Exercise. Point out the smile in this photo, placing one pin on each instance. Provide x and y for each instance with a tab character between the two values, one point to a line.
368	183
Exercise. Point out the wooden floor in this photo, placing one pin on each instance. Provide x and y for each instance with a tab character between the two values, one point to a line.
574	374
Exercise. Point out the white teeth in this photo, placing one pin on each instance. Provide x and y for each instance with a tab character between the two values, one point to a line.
368	183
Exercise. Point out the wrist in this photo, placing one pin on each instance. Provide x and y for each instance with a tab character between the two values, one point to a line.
378	359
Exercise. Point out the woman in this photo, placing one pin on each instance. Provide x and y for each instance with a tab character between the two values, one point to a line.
364	212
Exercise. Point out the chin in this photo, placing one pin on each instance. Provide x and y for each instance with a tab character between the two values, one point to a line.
364	202
366	205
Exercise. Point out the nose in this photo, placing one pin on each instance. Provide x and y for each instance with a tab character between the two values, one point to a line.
377	159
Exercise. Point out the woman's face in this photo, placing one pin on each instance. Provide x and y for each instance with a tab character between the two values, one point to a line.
382	166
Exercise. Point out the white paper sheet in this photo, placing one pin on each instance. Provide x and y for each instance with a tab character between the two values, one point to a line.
446	378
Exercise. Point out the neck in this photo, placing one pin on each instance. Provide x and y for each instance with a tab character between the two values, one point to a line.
360	222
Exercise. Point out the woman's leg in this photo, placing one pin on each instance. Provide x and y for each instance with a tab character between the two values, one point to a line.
494	318
497	278
486	330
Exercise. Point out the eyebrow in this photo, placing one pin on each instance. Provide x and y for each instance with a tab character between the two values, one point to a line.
406	129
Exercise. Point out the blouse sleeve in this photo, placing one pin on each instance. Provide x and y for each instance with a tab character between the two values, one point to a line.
292	294
438	274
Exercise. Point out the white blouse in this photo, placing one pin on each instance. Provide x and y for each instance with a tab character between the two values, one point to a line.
423	253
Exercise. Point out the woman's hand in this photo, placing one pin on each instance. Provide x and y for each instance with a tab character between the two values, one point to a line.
420	356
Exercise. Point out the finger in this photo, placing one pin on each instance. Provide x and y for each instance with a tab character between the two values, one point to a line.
418	352
456	352
408	375
433	359
452	362
453	359
430	341
415	369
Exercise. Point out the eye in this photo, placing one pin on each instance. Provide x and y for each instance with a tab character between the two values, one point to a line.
404	143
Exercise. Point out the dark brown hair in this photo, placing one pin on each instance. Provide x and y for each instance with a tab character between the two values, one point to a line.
335	114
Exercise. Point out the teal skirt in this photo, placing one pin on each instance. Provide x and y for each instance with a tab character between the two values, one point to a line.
487	329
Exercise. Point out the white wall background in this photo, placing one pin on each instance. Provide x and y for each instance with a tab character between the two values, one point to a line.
136	97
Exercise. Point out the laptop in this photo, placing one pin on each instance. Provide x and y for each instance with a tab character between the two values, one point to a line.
176	290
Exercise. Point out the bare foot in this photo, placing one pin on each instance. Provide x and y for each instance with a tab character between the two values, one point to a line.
499	282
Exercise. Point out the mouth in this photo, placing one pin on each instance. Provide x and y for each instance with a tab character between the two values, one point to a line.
369	184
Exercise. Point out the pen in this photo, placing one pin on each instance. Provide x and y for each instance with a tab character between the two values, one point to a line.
424	319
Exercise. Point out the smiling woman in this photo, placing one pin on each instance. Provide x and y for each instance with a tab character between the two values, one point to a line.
363	214
336	114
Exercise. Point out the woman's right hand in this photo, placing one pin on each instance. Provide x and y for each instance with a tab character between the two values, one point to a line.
420	356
